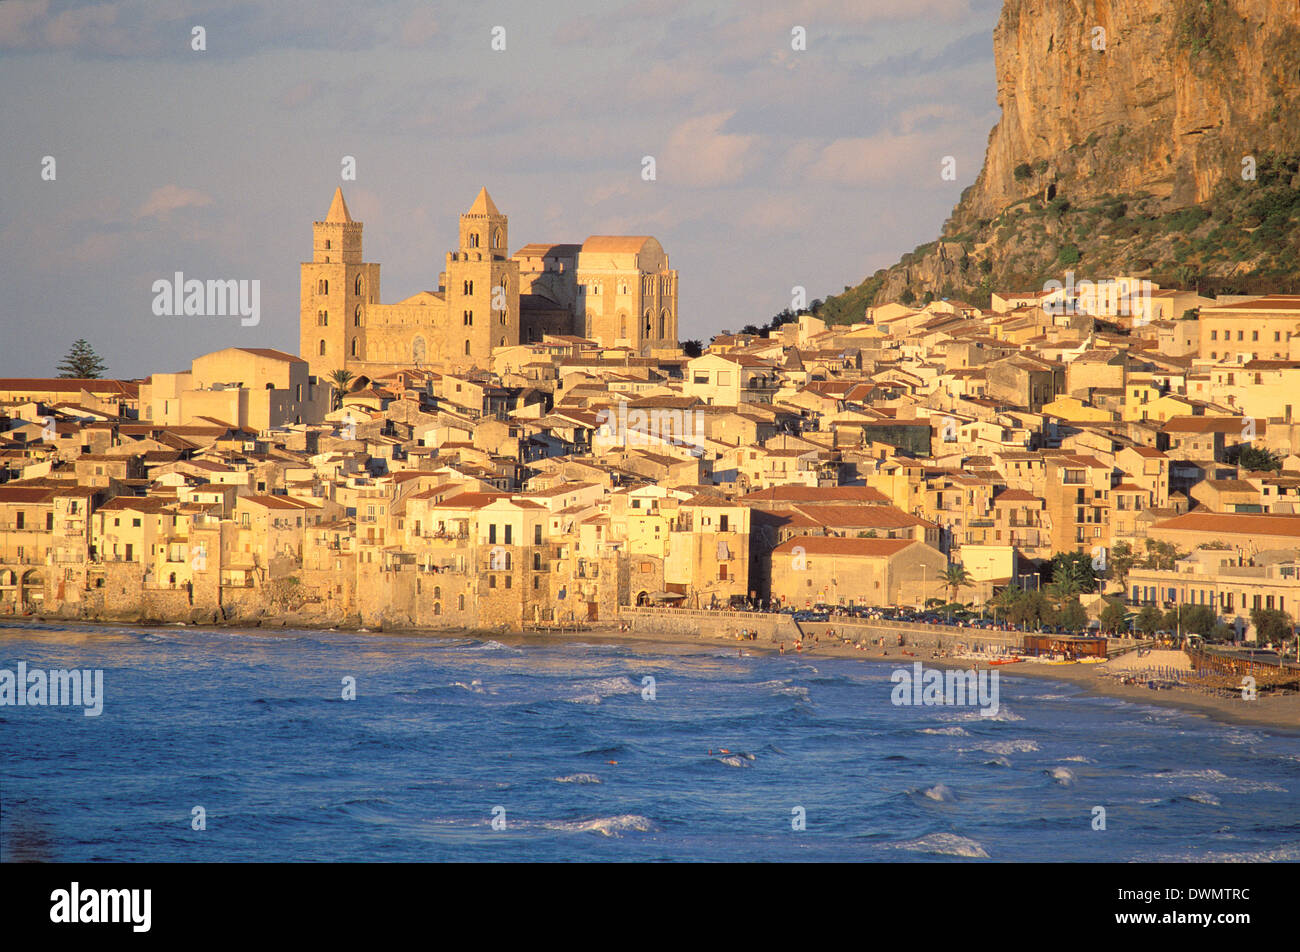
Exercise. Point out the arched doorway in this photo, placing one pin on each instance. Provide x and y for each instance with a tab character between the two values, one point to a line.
32	590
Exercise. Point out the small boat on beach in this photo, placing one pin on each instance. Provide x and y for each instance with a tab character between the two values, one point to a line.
1005	660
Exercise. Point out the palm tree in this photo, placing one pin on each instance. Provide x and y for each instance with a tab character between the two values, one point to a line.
956	578
340	378
1006	599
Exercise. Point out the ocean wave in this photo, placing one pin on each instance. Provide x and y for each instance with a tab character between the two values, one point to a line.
606	825
998	762
578	778
737	759
940	792
945	731
945	844
593	692
1004	747
1231	784
1077	759
1062	775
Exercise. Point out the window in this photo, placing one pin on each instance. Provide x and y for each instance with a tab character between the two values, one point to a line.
322	348
21	521
356	317
508	534
537	534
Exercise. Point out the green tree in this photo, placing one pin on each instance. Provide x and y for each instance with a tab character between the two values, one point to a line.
340	378
1122	560
1149	619
1190	619
1272	624
1030	609
692	348
1161	555
1076	569
1114	617
1073	616
82	362
1258	459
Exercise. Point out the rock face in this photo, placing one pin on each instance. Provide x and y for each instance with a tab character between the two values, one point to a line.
1168	100
1116	114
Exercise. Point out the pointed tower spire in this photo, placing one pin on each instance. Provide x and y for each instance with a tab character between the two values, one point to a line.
339	209
483	205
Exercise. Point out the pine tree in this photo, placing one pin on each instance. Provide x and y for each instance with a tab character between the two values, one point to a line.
82	362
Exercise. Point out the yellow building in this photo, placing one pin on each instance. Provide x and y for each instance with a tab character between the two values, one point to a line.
1258	329
248	387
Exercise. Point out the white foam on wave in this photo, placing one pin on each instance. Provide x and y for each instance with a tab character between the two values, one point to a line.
945	844
998	762
607	825
578	778
1207	798
1077	760
474	687
945	731
940	792
1231	784
1005	747
592	692
1062	775
736	760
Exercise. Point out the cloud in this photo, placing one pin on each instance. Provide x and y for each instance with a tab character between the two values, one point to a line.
169	198
298	94
699	153
420	27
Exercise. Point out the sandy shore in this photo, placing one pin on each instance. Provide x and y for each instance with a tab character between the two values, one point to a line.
1281	711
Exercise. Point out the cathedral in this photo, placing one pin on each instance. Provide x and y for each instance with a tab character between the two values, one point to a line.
616	290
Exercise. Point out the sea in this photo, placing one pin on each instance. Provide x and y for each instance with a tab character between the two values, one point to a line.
234	745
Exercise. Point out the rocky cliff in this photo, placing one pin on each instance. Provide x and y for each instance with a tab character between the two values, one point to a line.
1125	131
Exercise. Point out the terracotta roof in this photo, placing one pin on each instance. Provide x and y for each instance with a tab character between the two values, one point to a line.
1239	523
827	545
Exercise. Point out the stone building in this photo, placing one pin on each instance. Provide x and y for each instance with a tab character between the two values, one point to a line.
617	290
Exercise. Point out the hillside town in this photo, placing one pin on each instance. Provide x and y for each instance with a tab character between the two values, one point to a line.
528	446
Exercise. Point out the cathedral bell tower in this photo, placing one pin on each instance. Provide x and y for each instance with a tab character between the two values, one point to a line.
336	287
482	289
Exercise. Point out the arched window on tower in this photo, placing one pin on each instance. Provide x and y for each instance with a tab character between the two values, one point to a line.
356	317
359	286
325	286
496	238
322	348
473	239
663	325
354	347
466	348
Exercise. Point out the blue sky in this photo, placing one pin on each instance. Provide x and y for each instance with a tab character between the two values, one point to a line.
774	167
